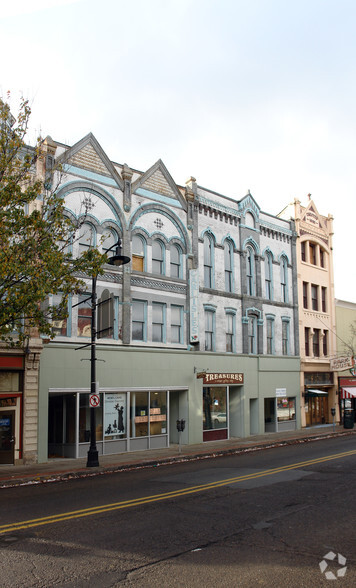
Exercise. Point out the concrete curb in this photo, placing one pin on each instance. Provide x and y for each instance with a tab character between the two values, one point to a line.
50	477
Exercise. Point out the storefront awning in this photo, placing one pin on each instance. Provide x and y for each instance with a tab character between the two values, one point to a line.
314	392
348	393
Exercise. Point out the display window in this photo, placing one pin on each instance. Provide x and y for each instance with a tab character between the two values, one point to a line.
285	409
214	408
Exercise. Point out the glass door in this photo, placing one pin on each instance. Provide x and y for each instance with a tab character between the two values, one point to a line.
7	437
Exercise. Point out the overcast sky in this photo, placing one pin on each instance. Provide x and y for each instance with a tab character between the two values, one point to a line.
255	95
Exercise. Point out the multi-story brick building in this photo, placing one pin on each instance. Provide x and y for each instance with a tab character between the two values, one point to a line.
204	319
317	326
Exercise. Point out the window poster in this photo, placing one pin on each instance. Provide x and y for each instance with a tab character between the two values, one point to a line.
114	414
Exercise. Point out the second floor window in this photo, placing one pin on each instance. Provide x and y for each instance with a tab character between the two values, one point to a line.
84	316
284	278
139	320
314	297
209	330
316	343
306	341
158	322
252	335
270	336
230	332
285	337
176	324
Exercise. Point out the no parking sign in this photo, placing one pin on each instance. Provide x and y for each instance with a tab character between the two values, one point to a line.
94	400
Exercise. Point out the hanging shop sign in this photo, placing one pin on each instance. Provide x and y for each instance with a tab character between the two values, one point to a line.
221	378
340	364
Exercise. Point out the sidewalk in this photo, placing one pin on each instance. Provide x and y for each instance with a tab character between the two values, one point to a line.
66	469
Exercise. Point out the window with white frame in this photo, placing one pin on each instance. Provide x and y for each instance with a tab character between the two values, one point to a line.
60	326
139	318
269	276
270	335
158	257
209	317
252	334
138	253
250	271
176	261
230	332
228	258
285	337
208	261
176	324
84	315
284	279
158	322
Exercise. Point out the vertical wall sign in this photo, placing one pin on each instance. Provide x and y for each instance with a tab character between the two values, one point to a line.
194	305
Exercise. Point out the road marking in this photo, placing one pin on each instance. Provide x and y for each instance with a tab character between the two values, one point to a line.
76	514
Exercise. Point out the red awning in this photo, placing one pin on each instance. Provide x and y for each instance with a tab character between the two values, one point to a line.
348	393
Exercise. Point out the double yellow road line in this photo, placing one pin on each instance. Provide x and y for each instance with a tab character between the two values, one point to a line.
96	510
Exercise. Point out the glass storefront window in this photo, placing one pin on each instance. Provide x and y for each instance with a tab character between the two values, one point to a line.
139	414
286	409
158	413
84	419
9	381
214	408
115	416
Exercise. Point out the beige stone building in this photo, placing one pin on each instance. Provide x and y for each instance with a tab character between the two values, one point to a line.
317	323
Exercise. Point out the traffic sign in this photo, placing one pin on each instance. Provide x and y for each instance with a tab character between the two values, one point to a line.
94	400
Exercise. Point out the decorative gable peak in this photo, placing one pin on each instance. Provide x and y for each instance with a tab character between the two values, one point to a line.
249	202
88	154
157	180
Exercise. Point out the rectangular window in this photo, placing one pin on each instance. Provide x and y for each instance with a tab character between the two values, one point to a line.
158	413
305	295
322	257
312	253
302	249
84	316
139	414
139	320
306	341
316	343
59	326
325	343
158	322
209	330
285	337
270	336
252	334
314	297
177	324
230	346
323	299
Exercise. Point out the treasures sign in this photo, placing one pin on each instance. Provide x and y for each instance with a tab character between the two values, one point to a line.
221	378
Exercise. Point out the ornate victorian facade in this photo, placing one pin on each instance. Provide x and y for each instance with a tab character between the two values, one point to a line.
211	288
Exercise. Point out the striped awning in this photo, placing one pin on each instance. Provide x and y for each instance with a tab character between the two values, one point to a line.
348	392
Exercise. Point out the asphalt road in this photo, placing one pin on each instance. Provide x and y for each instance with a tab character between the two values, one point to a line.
262	519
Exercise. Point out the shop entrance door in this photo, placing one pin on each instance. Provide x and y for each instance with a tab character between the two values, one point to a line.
7	437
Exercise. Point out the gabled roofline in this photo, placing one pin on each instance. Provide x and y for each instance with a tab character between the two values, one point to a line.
159	165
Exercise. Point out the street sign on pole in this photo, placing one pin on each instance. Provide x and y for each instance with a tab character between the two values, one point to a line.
94	400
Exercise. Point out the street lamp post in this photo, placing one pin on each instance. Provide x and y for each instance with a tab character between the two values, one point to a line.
117	260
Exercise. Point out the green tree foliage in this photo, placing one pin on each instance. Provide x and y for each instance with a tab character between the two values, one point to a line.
34	237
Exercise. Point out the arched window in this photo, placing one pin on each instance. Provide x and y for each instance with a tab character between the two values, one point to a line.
176	261
249	220
250	271
252	334
157	257
208	261
86	237
138	253
110	238
284	279
269	276
228	259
